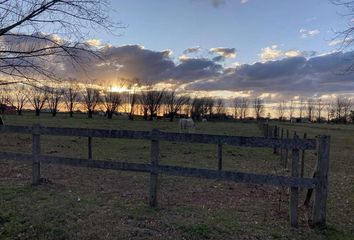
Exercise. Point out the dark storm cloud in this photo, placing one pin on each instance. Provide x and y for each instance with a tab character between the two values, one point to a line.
327	73
133	61
299	74
191	69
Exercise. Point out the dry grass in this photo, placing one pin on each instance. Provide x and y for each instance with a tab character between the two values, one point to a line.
80	203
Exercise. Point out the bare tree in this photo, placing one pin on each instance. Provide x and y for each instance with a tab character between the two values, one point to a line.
281	110
244	108
4	99
237	107
71	98
111	101
175	103
151	101
37	98
310	109
208	106
91	97
339	106
219	106
291	109
302	108
329	108
347	104
319	108
199	108
20	98
258	106
26	53
129	102
346	36
54	98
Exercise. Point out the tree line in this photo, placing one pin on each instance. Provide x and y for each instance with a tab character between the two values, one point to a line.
151	103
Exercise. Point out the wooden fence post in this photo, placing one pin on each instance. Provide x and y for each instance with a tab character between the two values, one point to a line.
89	147
281	149
303	160
154	164
294	191
321	189
36	151
275	135
220	156
286	151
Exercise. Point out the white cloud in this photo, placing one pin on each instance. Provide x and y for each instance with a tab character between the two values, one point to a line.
335	42
270	53
305	33
94	42
274	53
244	1
293	53
224	52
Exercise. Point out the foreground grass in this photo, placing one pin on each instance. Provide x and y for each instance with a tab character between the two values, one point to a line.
81	203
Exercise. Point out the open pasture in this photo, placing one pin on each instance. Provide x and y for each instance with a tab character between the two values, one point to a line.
80	203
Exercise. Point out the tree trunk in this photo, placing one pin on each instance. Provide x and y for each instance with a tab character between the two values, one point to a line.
172	116
109	114
38	112
54	113
145	114
19	112
89	114
71	113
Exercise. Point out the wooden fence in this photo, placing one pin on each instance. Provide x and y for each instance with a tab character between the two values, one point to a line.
294	182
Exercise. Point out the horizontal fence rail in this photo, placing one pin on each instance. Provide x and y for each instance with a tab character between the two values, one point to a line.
318	183
240	141
265	179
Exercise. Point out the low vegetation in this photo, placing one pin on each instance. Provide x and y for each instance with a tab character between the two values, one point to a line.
78	203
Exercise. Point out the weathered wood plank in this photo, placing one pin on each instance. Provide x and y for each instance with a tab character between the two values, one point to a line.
170	170
286	150
239	140
21	157
154	164
294	191
36	151
219	155
15	129
175	137
321	190
252	178
99	133
89	147
275	135
111	165
281	149
302	170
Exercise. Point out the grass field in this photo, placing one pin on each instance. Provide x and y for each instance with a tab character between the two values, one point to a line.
79	203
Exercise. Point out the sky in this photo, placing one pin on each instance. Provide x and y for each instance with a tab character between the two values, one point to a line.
271	49
248	26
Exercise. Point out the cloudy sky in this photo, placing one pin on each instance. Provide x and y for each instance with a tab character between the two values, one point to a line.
229	48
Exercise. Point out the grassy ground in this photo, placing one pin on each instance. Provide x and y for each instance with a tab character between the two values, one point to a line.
79	203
